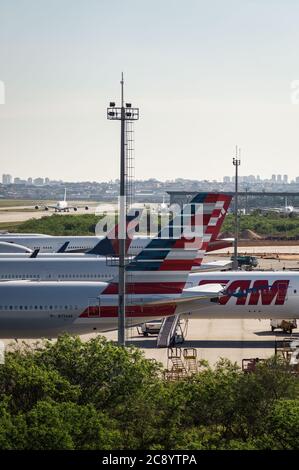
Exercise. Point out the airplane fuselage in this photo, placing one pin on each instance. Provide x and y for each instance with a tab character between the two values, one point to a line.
37	309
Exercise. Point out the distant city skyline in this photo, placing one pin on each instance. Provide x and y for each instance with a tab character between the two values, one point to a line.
8	178
205	75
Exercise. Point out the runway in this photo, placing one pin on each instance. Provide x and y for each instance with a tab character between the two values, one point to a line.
23	213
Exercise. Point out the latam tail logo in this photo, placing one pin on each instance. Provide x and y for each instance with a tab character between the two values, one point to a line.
261	292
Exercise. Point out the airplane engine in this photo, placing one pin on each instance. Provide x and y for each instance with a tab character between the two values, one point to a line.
46	208
36	207
86	208
75	209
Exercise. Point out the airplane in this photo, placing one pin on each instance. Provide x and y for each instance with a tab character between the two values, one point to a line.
156	280
287	210
249	295
89	266
60	206
163	207
48	244
157	288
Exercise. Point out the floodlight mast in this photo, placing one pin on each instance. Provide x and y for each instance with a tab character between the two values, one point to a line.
122	114
236	163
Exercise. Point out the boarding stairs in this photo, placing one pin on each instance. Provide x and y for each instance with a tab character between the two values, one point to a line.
168	331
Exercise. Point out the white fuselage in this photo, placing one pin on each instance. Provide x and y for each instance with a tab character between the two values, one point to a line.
46	309
67	268
61	206
51	244
257	294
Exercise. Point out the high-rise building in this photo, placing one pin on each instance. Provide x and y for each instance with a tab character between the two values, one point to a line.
279	179
285	179
38	181
6	179
29	180
226	179
273	178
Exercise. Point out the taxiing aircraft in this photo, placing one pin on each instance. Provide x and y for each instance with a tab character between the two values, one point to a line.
287	210
60	206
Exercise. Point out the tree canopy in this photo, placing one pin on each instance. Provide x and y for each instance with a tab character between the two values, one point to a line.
71	394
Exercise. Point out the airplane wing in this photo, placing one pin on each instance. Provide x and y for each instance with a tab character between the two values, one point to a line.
193	296
45	208
75	208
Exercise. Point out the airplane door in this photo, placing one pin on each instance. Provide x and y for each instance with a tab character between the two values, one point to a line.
94	308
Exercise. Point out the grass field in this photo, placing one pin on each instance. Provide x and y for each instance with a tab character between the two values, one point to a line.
21	202
9	226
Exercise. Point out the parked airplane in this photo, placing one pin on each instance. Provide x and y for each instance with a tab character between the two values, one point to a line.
52	244
156	281
60	206
287	210
86	267
256	294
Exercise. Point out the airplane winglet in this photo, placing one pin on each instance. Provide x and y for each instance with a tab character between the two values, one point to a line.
63	248
35	253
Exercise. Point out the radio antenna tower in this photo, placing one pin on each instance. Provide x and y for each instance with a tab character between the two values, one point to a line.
126	115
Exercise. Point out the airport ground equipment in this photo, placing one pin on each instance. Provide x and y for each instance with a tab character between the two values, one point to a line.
176	368
190	358
247	262
173	331
181	363
150	328
288	349
286	325
249	365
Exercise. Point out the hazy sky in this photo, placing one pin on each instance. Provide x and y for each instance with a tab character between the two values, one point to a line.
206	76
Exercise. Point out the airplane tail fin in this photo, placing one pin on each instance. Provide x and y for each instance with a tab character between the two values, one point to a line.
109	245
214	221
164	264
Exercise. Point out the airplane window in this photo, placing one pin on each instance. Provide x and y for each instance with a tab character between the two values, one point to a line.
21	307
40	307
26	308
10	307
